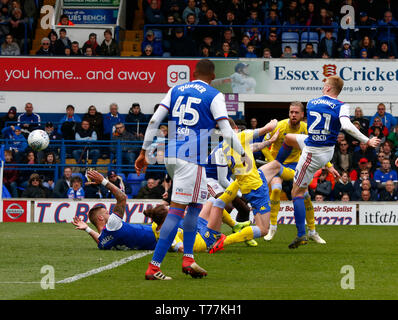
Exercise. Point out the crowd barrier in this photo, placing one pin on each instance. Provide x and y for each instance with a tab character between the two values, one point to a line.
63	211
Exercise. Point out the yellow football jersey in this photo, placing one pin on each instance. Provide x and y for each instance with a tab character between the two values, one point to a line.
284	129
246	175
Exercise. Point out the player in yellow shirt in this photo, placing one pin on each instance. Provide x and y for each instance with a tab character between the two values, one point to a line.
293	125
252	182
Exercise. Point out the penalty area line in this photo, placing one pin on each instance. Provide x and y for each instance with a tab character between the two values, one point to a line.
110	266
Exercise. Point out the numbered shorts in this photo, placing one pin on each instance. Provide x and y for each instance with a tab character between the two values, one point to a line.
259	198
213	187
189	181
311	160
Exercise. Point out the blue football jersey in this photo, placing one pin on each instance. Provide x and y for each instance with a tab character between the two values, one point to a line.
323	121
194	108
129	236
216	159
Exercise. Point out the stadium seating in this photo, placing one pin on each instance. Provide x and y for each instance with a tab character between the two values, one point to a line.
135	181
310	37
290	39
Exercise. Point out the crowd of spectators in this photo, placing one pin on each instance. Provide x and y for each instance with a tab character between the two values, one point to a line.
367	174
87	138
255	28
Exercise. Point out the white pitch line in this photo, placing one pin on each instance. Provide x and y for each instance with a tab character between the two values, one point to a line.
113	265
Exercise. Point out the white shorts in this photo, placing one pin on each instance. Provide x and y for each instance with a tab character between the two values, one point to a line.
189	181
311	160
213	187
300	138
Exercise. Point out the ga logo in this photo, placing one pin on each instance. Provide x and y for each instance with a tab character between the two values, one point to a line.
177	74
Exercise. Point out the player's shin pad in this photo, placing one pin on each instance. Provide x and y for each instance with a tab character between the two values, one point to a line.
230	193
309	212
275	204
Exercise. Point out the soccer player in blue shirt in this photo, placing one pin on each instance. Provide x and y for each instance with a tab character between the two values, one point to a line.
194	109
326	117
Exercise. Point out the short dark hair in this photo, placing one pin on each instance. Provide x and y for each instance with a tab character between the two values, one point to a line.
205	67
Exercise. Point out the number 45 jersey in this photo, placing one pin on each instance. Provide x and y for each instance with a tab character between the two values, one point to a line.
323	121
194	109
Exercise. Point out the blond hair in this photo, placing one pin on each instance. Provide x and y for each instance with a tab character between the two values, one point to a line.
336	83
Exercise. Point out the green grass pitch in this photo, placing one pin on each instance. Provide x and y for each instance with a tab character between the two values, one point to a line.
269	271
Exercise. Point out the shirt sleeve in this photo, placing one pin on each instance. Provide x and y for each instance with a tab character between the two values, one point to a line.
348	126
167	100
218	107
114	222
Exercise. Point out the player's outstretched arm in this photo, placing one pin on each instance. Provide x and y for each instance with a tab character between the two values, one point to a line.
258	146
81	225
120	196
269	127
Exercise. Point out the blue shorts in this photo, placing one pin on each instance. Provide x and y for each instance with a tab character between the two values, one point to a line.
209	236
291	165
259	198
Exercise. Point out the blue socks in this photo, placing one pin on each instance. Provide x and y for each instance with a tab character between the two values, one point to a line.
167	234
190	227
299	215
284	153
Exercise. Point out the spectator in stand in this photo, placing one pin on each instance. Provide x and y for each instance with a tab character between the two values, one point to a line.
191	8
364	152
366	195
384	52
267	53
88	52
323	183
29	120
153	14
209	19
363	164
205	52
272	20
175	9
384	174
231	21
287	53
387	148
110	119
148	51
393	137
387	31
255	37
312	17
345	197
63	184
67	124
35	188
208	42
181	46
290	10
117	180
380	157
291	25
136	121
10	47
251	51
360	187
377	132
168	33
342	157
343	186
48	174
44	49
376	122
96	121
151	191
16	26
64	21
389	193
23	177
11	116
364	122
308	52
16	141
92	43
62	42
319	197
53	36
10	176
75	50
109	47
156	45
243	46
227	37
365	29
328	44
76	190
226	51
53	135
129	150
274	45
85	135
346	51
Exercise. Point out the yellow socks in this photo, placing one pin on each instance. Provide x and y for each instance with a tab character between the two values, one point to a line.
230	193
275	203
226	218
309	212
241	236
